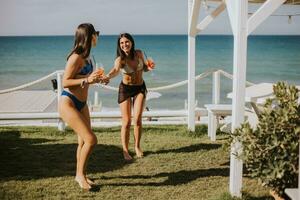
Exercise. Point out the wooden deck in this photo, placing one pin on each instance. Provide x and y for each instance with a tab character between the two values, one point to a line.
27	101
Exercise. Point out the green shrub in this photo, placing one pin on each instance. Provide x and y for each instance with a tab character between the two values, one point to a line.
271	151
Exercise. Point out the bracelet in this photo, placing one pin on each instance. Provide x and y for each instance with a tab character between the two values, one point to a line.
84	82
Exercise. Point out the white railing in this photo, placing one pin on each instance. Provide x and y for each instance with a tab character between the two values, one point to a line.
216	74
95	115
31	83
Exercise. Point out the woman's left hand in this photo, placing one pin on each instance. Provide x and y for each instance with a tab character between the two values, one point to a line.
104	80
150	64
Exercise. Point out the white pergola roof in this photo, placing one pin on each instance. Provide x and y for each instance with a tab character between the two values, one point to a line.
241	26
293	2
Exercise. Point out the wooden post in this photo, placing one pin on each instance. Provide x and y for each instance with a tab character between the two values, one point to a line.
191	67
216	88
215	100
61	123
96	98
239	84
193	14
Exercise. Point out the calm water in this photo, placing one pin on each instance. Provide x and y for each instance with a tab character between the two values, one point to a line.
270	59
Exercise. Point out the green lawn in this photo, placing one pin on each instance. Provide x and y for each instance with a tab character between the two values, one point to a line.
39	163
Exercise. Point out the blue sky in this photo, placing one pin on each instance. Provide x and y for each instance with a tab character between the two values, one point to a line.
61	17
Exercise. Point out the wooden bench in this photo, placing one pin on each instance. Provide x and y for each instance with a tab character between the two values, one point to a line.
214	111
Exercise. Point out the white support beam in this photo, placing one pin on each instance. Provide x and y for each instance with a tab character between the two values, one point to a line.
238	100
191	82
61	124
263	13
193	12
192	21
231	10
216	87
209	18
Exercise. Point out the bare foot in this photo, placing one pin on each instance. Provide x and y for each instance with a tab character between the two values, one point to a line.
139	152
83	183
127	156
90	181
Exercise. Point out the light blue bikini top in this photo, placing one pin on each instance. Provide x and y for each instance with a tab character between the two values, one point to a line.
128	70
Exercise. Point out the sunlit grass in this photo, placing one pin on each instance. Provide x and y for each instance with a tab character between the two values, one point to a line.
39	163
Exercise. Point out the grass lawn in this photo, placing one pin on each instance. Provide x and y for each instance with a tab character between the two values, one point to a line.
39	163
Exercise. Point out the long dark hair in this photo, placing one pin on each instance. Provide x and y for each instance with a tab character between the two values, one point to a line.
83	40
120	52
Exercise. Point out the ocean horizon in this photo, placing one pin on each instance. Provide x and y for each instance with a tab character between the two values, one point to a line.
270	59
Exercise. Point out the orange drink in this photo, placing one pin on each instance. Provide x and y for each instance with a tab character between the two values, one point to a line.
150	63
100	71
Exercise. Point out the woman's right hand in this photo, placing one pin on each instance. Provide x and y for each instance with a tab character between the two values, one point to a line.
94	77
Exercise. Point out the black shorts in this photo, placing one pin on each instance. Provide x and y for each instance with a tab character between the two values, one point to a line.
128	91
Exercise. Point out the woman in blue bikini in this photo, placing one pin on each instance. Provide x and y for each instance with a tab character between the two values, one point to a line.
73	109
132	89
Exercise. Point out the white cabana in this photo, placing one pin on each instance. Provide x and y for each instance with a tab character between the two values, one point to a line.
241	26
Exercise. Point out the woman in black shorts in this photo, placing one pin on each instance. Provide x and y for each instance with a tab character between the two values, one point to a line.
132	89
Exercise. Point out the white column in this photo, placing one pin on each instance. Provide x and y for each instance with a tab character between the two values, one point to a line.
191	73
239	83
216	88
61	124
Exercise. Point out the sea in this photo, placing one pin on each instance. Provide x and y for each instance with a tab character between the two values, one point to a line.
24	59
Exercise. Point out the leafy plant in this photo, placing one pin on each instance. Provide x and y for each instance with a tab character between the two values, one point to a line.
271	151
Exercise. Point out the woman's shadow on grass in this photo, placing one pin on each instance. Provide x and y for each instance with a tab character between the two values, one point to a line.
35	158
172	178
187	149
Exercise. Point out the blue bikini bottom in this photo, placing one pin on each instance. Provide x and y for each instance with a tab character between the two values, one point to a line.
78	104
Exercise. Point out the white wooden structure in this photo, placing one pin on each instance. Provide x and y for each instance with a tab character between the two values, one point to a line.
214	111
24	103
241	26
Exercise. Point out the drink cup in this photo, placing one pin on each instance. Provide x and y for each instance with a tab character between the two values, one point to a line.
100	71
150	63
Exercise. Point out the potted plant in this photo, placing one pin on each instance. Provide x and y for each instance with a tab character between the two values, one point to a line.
271	151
